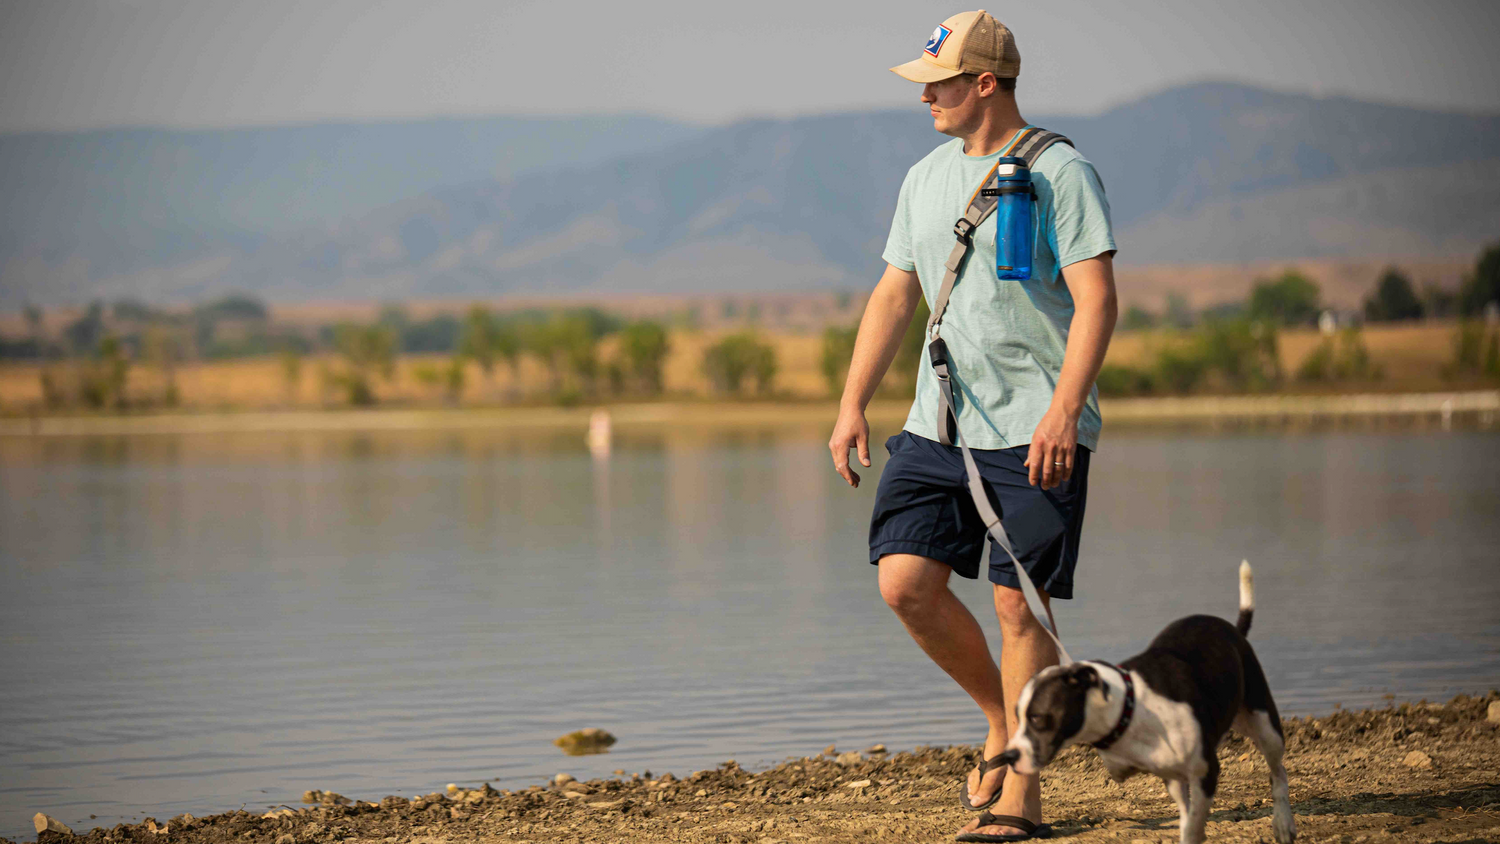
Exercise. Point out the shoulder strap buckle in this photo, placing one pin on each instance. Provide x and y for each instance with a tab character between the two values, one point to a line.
965	230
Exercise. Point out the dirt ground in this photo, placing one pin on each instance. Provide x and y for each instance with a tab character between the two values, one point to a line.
1412	773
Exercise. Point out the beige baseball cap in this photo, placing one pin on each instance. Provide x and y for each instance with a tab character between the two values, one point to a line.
968	42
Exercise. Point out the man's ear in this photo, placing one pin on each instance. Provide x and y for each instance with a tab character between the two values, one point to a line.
986	85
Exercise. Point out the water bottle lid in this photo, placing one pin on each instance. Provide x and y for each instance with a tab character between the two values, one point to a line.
1011	165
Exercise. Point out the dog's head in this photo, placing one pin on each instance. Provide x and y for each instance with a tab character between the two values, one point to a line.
1053	709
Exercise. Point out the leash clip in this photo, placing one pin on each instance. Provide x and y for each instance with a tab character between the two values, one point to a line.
937	352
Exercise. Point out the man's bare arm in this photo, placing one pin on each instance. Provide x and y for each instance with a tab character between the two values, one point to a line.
1092	283
887	315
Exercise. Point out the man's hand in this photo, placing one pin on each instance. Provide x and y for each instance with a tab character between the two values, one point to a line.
880	331
1050	457
850	431
1092	283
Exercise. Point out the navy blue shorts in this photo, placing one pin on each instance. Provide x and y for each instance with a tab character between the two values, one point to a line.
923	507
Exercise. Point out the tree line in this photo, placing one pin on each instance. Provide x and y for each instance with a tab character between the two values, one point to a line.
1234	346
88	361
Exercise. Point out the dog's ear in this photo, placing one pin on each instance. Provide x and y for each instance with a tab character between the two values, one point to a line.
1088	678
1083	677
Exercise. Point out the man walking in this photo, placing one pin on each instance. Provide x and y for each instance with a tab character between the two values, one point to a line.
1024	356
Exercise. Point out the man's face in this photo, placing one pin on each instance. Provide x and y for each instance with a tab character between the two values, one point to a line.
955	103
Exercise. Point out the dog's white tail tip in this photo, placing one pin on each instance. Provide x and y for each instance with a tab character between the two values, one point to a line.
1247	586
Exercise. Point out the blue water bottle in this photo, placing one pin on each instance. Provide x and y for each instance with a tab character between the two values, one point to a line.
1013	219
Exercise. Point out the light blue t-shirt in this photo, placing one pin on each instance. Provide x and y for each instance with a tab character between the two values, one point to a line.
1005	339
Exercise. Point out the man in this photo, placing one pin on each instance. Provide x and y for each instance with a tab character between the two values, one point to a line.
1024	356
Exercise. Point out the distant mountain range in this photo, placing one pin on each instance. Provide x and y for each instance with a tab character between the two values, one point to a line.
1206	173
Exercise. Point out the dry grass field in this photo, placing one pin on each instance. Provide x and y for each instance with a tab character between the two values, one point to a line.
1410	356
267	382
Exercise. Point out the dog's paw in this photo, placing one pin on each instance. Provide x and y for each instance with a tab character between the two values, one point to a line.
1285	827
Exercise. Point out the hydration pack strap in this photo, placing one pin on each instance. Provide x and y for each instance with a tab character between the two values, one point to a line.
1029	144
1033	147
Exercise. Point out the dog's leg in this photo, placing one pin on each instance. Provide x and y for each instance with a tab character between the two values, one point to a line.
1259	728
1178	788
1200	800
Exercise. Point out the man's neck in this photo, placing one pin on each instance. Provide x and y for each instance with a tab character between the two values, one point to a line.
998	129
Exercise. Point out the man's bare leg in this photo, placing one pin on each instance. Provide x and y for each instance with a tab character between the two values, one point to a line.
917	589
1024	651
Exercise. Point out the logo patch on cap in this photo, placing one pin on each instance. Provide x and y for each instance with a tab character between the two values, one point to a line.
935	43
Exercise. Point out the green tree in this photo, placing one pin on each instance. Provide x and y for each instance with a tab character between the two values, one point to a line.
644	346
1468	340
1393	299
1180	370
103	382
393	315
485	340
449	377
838	349
567	342
453	379
36	331
234	306
85	333
1476	351
1288	300
368	350
134	310
1343	358
1179	313
1483	287
163	349
737	359
290	357
231	326
1236	354
1242	351
1137	318
1124	381
33	321
1438	302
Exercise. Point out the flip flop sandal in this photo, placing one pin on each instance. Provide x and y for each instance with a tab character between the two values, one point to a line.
1028	829
985	766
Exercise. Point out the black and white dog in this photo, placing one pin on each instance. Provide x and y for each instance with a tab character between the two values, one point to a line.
1164	711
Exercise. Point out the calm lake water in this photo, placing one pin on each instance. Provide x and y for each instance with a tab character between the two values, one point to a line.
192	623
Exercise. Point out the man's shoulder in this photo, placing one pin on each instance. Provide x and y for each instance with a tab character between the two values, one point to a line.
1057	157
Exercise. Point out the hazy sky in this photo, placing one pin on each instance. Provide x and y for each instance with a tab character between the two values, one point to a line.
72	63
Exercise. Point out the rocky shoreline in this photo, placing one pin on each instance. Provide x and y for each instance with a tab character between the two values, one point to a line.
1411	773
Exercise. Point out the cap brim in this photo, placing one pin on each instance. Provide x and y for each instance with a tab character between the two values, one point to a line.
923	71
